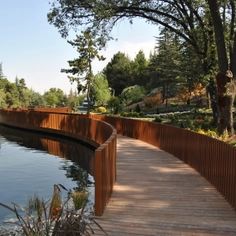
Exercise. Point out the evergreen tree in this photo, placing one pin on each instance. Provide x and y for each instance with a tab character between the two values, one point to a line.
139	69
118	72
88	46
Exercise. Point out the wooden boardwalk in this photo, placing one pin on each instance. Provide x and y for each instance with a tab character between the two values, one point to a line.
157	194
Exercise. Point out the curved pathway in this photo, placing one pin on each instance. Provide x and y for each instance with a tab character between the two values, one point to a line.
157	194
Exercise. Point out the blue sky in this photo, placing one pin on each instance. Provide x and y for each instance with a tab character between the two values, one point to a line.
32	49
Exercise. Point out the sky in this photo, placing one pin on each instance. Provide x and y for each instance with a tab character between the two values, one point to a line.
32	49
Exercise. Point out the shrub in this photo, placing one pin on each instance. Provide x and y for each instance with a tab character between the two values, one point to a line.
158	119
114	105
137	108
210	133
101	110
131	114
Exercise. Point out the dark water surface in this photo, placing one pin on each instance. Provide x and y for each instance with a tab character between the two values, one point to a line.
31	164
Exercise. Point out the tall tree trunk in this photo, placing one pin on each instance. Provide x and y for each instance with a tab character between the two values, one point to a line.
219	36
224	79
212	93
226	88
233	58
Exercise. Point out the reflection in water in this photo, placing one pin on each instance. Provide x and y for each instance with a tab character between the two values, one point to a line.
64	148
26	167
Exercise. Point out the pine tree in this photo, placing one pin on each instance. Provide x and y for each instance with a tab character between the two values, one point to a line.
88	47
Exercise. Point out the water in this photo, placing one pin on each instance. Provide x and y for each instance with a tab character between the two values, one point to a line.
31	164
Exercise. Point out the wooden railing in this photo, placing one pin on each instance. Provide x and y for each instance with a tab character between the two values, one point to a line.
213	159
100	135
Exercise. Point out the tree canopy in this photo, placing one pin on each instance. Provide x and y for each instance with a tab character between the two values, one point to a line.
100	90
208	27
118	72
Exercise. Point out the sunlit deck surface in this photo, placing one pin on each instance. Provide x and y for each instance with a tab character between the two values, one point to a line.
157	194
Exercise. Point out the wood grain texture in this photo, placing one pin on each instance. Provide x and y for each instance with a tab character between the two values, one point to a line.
157	194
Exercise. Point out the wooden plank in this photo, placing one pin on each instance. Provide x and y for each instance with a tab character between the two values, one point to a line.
157	194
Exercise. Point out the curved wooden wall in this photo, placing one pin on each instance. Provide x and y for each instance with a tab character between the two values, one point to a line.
98	134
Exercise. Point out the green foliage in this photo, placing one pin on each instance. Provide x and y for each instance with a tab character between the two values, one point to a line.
54	97
137	108
114	105
74	100
17	95
54	217
118	72
189	19
194	120
131	114
100	91
139	69
3	103
88	46
101	110
35	99
79	199
210	133
206	29
132	94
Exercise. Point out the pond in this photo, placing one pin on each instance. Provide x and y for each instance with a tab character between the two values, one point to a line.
31	163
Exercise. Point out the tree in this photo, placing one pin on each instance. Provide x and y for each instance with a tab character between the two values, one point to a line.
168	60
35	99
139	69
74	100
114	104
100	90
17	94
22	92
164	70
118	72
132	94
88	47
54	97
195	22
2	99
184	18
12	95
225	27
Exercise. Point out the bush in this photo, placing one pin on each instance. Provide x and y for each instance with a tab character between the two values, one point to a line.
210	133
158	119
137	108
101	110
114	105
132	94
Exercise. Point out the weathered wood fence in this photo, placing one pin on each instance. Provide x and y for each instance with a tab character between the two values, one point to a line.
213	159
100	135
